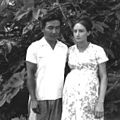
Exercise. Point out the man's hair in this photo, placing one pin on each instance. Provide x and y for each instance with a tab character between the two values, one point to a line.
50	17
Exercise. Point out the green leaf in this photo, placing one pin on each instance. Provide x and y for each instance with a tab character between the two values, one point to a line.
118	14
117	6
28	3
12	94
17	79
2	99
98	27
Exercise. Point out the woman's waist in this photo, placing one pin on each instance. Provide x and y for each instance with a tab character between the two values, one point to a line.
79	78
84	71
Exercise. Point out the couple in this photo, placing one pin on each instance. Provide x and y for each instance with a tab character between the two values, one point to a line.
82	97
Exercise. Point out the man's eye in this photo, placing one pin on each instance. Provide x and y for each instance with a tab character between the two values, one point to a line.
58	27
50	28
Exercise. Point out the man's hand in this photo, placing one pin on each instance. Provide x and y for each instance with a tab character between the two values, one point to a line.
35	106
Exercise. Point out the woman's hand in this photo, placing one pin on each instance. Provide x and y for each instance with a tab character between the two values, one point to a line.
99	110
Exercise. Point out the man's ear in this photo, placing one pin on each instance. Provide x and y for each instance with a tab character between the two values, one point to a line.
42	30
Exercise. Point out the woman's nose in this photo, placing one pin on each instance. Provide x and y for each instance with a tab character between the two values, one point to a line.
77	33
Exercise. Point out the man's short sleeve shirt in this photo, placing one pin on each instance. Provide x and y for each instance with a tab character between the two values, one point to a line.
50	68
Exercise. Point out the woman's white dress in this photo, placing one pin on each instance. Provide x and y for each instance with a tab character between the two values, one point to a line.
82	83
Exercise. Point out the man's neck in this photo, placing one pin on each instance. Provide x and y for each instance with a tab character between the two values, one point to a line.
52	43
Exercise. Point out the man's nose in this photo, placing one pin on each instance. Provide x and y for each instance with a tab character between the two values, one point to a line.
54	30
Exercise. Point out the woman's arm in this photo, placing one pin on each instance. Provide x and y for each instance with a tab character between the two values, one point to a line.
103	81
99	108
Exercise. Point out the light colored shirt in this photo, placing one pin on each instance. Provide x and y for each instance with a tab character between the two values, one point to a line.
50	68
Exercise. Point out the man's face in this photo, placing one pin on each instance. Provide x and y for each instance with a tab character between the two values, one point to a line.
52	30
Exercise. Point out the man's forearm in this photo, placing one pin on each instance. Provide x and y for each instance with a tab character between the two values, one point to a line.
31	85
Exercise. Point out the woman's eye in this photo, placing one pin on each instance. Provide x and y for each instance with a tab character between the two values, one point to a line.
75	31
81	31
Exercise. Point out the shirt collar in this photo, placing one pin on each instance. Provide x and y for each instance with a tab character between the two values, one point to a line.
45	43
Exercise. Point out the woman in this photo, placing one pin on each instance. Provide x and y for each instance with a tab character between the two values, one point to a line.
85	85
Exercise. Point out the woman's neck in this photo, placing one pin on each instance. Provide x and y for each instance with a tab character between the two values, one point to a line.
82	46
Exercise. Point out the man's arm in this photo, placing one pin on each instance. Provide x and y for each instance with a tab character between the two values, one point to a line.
31	83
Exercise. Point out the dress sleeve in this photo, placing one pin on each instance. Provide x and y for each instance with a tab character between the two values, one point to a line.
101	55
71	57
31	54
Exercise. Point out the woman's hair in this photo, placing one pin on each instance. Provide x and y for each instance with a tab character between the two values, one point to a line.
86	22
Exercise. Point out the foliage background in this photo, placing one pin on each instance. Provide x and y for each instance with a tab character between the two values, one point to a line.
20	25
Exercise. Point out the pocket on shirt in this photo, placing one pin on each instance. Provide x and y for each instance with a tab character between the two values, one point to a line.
42	59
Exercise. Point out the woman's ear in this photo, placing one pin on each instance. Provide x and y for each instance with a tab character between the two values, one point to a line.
88	33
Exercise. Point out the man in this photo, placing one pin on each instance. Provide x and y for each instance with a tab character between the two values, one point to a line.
46	60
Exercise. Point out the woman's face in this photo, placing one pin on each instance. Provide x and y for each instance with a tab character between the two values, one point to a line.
80	33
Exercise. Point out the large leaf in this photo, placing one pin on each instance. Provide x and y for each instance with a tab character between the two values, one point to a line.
12	87
118	14
28	3
116	7
2	99
98	27
21	13
4	4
